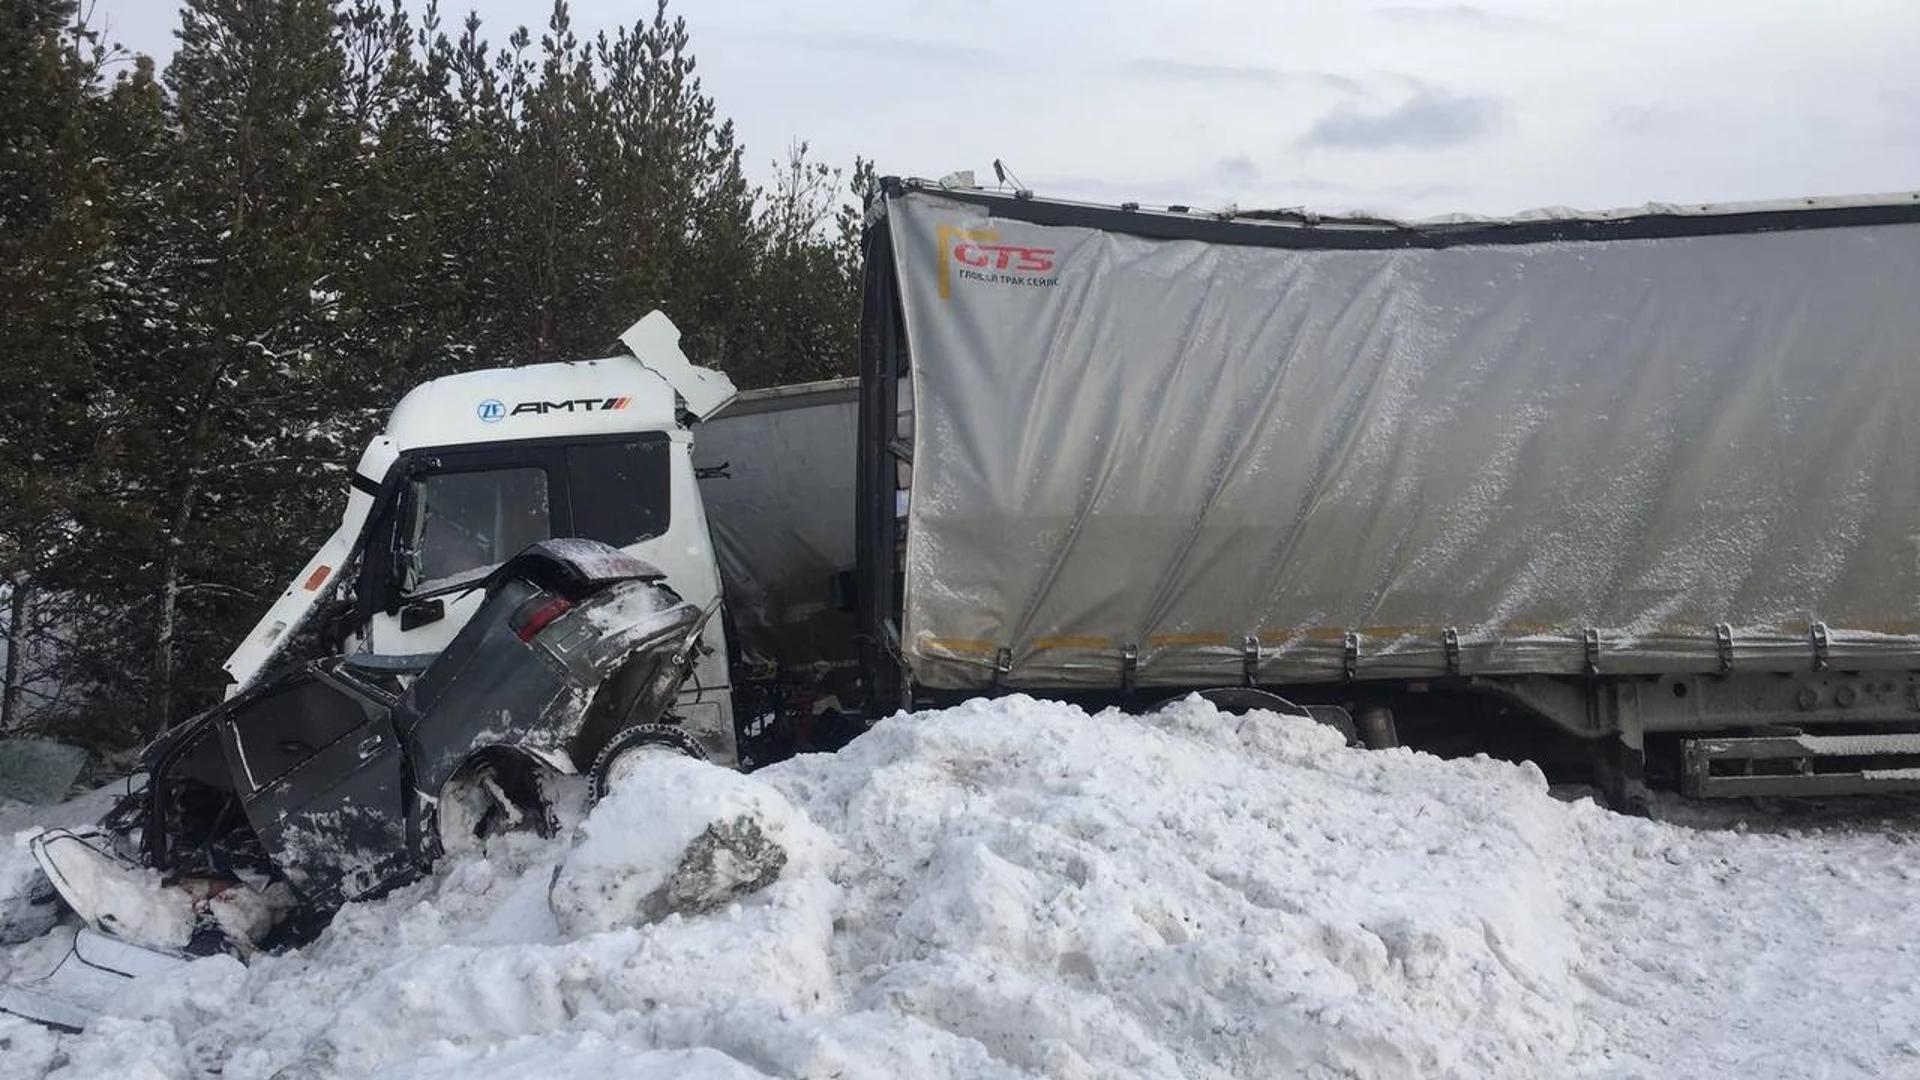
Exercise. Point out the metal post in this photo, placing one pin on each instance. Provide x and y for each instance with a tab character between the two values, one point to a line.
1622	764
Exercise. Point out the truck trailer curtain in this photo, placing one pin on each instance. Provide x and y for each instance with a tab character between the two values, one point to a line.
777	472
1178	462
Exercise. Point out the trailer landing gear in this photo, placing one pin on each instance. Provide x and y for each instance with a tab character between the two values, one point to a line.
1376	727
1621	771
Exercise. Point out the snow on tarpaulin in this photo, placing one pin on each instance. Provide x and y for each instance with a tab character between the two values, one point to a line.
1015	888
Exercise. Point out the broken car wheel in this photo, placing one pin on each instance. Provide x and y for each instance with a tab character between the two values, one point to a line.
488	798
636	744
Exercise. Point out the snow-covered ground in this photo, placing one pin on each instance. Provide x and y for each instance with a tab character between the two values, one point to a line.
1015	888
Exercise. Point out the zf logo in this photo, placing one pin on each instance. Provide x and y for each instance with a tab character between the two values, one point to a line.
493	410
982	257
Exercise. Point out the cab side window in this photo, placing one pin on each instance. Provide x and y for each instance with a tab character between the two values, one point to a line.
620	490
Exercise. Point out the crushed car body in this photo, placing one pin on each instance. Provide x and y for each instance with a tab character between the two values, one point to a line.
343	777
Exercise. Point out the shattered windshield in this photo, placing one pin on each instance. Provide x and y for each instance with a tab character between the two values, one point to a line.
461	524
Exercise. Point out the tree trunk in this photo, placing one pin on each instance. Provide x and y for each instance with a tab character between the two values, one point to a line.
16	652
160	694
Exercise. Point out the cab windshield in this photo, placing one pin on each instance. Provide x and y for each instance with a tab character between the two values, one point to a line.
458	525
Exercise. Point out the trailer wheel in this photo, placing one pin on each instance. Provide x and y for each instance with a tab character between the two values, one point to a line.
636	744
1235	700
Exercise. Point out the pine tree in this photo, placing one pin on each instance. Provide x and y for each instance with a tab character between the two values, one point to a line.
400	312
98	576
807	278
212	287
250	242
52	234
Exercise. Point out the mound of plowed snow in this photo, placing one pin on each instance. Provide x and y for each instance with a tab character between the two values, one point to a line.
1016	888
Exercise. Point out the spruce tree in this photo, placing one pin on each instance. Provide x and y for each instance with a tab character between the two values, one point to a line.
52	236
251	242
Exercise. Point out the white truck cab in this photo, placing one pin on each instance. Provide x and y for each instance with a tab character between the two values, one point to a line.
474	467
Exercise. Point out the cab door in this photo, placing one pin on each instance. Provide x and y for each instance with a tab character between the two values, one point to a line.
319	769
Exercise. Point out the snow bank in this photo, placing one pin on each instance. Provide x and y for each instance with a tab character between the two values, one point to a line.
675	835
1016	888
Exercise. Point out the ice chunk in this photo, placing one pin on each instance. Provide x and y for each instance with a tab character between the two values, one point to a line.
674	836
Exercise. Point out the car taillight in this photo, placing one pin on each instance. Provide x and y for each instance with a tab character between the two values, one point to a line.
534	615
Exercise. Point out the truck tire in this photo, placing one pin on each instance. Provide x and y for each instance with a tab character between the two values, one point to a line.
635	743
1235	700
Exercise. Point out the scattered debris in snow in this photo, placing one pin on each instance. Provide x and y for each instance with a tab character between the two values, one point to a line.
1015	888
121	898
24	914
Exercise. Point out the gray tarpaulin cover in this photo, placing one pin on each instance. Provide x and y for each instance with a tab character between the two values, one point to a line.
1175	446
781	515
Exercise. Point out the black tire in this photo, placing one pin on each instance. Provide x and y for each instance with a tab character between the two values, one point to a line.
1236	700
1243	699
664	736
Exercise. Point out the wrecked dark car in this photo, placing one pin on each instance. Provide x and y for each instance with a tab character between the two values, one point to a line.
344	777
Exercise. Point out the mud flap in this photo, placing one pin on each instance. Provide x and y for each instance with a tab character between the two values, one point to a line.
96	968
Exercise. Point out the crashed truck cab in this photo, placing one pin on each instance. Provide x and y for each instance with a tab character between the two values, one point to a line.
472	468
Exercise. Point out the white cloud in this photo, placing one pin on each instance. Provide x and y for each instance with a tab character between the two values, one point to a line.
1464	16
1430	118
1617	104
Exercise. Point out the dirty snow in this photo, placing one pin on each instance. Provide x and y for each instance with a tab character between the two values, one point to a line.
1015	888
674	835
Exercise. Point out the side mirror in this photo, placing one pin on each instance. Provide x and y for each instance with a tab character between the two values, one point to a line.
403	567
689	650
406	566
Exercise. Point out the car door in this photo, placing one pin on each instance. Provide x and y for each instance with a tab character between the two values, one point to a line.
320	774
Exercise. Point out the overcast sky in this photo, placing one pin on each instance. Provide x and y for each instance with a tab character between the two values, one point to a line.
1403	107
